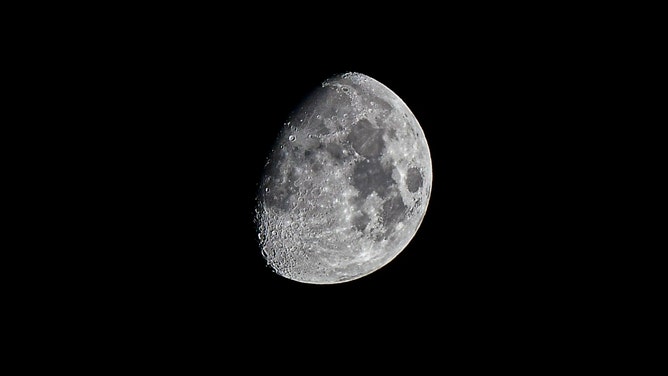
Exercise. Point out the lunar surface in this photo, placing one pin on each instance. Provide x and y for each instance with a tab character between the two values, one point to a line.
347	184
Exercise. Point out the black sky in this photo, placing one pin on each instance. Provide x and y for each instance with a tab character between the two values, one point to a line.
199	110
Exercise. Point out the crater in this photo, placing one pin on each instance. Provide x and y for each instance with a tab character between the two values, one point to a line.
278	196
280	186
324	103
413	179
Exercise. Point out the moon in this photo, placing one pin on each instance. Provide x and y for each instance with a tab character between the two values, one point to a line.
346	185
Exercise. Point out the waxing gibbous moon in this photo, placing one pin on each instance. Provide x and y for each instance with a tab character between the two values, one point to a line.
347	184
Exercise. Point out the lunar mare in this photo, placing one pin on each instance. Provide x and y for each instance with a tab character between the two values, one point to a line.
347	184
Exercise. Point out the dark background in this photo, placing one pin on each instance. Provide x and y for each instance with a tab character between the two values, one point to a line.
193	108
494	235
